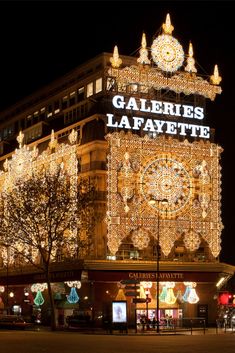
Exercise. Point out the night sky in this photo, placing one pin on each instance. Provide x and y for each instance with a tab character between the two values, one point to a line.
41	41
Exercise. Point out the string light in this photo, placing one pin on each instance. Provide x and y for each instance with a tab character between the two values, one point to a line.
154	172
170	296
190	294
169	56
190	67
163	294
39	300
76	284
25	164
73	297
143	59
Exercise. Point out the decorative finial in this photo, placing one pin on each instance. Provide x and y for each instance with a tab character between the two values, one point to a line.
115	60
20	139
167	27
6	165
215	78
190	67
73	136
143	59
53	142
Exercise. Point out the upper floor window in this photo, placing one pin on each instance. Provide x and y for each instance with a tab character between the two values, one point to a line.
89	89
72	98
80	95
56	107
65	102
98	85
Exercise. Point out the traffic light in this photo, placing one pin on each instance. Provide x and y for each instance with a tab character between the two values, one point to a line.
230	298
226	298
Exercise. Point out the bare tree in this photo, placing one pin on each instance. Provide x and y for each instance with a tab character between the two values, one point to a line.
44	215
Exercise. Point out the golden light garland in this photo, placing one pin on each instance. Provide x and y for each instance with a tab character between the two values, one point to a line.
23	164
180	82
143	59
190	67
168	55
193	207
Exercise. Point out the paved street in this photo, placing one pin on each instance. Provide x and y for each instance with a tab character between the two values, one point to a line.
73	342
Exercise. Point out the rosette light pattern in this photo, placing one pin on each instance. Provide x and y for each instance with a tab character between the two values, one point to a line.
140	238
167	53
192	240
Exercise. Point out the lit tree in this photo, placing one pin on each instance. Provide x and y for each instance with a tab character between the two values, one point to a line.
45	214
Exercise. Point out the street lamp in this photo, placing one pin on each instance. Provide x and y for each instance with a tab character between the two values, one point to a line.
147	292
153	201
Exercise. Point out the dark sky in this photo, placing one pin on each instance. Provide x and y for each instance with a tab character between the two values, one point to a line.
40	41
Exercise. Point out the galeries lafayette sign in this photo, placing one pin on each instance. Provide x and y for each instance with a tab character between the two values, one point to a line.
132	104
163	276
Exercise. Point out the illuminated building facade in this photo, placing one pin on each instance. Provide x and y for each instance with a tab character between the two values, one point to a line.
135	127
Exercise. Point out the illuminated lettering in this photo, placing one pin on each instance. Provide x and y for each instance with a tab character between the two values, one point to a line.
198	113
155	125
187	111
137	123
110	121
118	102
158	107
171	127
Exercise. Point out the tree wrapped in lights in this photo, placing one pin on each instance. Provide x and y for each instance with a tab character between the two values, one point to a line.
46	210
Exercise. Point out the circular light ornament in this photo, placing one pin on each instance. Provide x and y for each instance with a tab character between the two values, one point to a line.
166	178
167	53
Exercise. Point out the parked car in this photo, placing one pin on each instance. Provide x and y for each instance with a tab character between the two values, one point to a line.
12	322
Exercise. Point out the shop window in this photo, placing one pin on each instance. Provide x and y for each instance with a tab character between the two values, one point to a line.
98	85
89	89
111	257
127	251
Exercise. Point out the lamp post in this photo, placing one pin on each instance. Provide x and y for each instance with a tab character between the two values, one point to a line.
153	201
7	286
147	307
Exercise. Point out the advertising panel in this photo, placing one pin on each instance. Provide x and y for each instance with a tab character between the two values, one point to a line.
119	311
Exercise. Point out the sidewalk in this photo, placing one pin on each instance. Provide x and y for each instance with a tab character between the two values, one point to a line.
132	332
